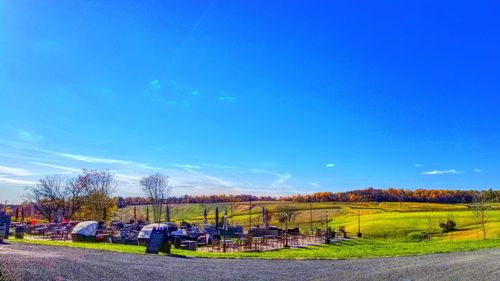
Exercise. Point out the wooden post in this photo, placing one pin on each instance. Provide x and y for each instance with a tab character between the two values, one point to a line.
359	226
311	215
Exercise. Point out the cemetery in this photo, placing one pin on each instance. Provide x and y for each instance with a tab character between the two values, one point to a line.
208	236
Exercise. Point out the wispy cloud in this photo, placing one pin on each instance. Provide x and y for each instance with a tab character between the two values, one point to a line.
478	170
418	165
16	181
92	159
185	178
314	184
28	136
218	166
282	178
330	165
185	166
64	168
226	98
4	170
441	172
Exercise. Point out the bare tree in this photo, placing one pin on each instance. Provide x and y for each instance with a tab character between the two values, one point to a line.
45	196
430	223
100	186
480	212
57	197
75	194
157	190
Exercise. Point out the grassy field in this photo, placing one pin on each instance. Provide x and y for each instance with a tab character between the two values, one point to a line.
391	221
348	249
387	229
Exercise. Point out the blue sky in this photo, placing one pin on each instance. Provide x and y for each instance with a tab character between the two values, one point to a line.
264	98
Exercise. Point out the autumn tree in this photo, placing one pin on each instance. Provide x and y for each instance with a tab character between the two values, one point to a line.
100	186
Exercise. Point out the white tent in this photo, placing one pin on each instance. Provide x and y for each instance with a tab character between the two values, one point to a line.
86	228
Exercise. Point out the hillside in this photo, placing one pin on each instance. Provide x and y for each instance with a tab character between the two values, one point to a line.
387	220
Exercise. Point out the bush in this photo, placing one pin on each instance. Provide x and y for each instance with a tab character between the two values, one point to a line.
419	236
448	226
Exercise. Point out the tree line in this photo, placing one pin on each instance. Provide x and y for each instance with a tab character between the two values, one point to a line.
364	195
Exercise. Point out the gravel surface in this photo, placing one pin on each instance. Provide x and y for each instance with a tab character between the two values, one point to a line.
36	262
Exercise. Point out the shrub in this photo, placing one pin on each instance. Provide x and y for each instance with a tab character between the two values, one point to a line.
448	226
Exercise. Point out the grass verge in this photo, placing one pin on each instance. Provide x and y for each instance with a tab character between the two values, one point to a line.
347	249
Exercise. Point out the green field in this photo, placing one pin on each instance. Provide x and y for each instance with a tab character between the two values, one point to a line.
391	221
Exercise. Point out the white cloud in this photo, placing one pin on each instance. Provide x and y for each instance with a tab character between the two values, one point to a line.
16	181
437	172
218	166
92	159
478	170
185	178
155	84
314	184
186	166
14	171
69	169
226	98
418	165
28	136
330	165
282	178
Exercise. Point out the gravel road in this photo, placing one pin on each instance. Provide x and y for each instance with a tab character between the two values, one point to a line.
35	262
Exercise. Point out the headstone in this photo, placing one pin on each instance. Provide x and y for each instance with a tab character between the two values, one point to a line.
4	226
20	230
158	241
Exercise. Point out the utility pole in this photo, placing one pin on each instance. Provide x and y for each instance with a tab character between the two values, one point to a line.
250	217
286	231
232	216
225	230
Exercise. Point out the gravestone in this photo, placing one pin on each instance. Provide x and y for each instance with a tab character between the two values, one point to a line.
4	227
158	241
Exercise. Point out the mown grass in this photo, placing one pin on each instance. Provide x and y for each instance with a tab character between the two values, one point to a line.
347	249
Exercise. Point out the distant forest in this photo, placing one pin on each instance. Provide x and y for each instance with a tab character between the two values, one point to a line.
364	195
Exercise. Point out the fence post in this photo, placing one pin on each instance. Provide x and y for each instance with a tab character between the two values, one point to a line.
406	236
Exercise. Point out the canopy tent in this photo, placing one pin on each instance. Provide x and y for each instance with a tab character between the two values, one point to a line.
86	228
84	231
